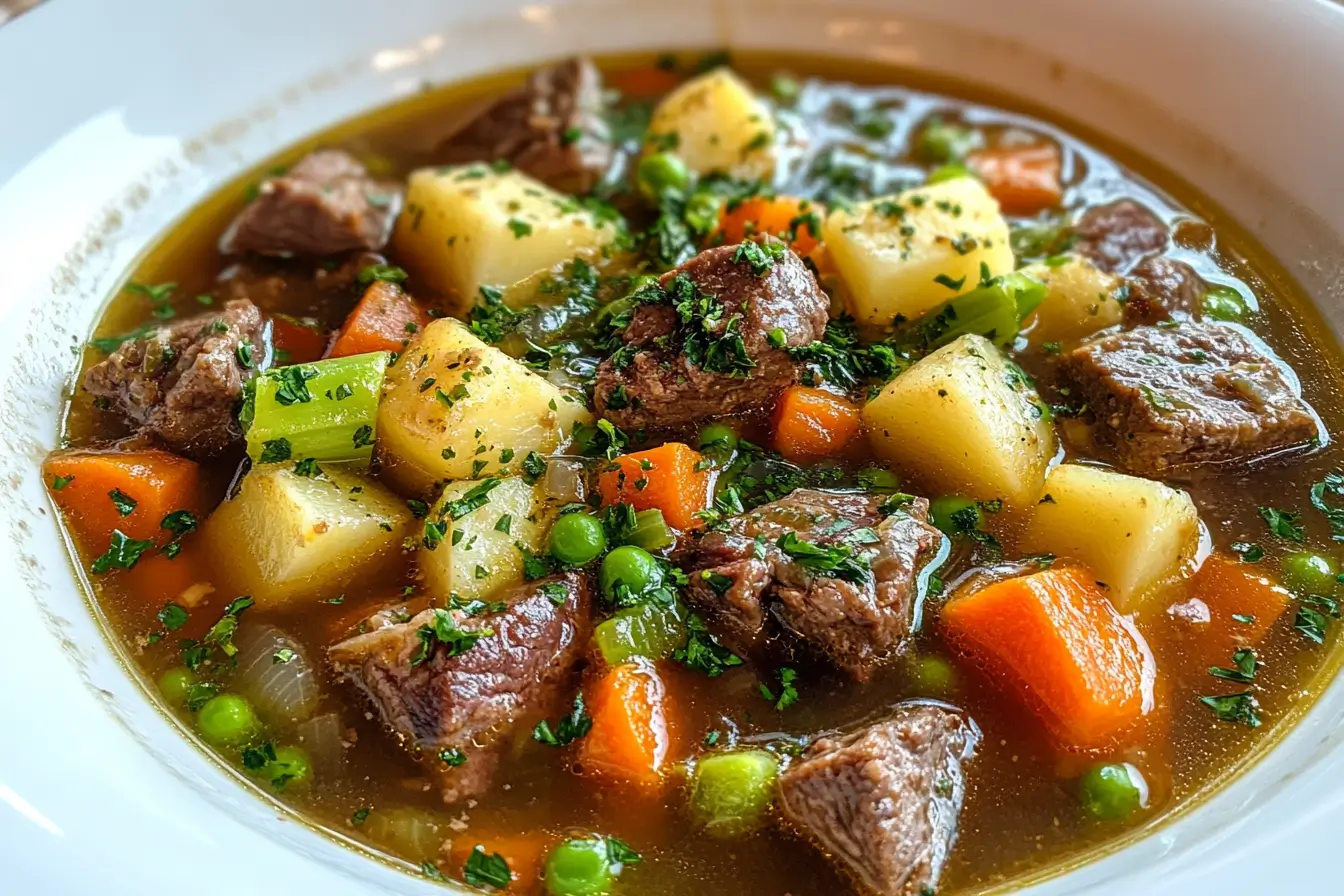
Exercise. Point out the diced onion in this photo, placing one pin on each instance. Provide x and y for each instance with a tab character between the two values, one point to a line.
412	834
275	674
322	736
566	481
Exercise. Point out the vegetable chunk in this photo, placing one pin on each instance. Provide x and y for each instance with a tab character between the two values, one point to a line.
1080	299
291	537
1134	534
456	408
1053	638
663	478
469	226
717	125
131	491
629	740
472	538
967	420
906	254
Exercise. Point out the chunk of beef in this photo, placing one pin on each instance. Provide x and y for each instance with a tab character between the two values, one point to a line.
551	128
1193	394
665	376
1161	288
1117	235
857	617
885	800
325	204
432	698
183	383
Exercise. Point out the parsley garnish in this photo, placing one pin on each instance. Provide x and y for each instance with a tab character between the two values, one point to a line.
173	616
788	694
834	562
475	498
761	257
1285	524
1249	552
483	870
519	228
1241	708
293	388
452	757
60	482
386	272
363	437
1314	613
444	630
274	451
125	504
1243	667
1332	485
703	652
122	553
569	729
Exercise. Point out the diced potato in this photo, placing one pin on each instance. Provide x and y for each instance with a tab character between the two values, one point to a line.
1080	299
485	558
1133	534
966	420
717	125
469	226
450	395
909	253
290	538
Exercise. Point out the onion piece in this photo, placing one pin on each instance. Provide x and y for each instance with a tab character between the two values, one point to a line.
275	674
412	834
566	479
323	736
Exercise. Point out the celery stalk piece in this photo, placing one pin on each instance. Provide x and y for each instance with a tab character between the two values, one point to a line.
994	310
651	531
646	630
732	792
326	410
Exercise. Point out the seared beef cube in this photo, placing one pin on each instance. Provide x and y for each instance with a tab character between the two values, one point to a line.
885	800
856	614
183	383
1193	394
551	128
325	204
1161	288
433	697
1116	236
683	360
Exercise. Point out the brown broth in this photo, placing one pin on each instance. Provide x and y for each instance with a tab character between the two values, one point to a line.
1021	819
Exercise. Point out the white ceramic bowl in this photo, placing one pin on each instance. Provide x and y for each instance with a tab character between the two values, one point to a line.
116	117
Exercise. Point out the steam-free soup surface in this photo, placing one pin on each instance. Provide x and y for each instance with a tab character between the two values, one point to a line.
968	441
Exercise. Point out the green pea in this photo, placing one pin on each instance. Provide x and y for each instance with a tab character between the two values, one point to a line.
732	791
933	676
661	173
955	514
876	479
579	867
950	171
577	538
718	440
1225	303
291	769
227	721
1112	792
631	566
175	683
1307	573
942	142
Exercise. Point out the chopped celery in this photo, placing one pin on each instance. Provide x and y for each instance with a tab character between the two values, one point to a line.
732	791
950	171
651	531
326	410
994	310
646	630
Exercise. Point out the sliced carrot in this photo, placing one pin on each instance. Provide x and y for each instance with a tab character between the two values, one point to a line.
1147	746
383	321
1242	605
629	740
1025	179
184	579
1055	639
99	491
663	478
296	341
524	853
643	81
782	216
812	423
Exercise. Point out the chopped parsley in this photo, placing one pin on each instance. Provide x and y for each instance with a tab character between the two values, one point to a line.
519	228
172	616
569	729
123	553
1331	486
445	631
1248	552
1242	670
475	498
363	437
1314	613
386	272
833	562
124	503
486	870
1240	708
274	451
788	694
1285	524
703	652
60	482
452	757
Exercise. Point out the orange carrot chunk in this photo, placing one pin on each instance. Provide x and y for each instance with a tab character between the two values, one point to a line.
1025	179
629	740
383	321
645	80
1242	604
99	491
296	341
1055	639
794	220
663	478
812	423
523	852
